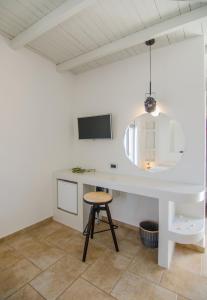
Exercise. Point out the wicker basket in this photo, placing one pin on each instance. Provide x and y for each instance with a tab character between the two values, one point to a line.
149	233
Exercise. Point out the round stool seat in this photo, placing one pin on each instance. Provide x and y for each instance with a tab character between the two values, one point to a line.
97	198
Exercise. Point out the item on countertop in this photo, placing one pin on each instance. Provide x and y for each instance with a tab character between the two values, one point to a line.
80	170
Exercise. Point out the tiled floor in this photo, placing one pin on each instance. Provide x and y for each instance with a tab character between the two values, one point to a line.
45	263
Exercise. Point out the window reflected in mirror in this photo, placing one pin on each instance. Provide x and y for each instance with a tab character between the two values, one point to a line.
154	143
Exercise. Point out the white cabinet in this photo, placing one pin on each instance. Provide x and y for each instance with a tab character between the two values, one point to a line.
68	196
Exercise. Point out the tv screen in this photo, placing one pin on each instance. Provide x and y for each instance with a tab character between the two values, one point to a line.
95	127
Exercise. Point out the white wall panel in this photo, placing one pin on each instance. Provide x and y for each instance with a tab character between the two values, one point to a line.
35	136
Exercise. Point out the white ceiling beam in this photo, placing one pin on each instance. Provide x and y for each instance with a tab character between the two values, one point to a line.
135	38
64	12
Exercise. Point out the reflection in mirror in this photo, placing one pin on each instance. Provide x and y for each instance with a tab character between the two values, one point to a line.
154	143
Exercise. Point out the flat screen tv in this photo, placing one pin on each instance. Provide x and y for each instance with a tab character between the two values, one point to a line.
95	127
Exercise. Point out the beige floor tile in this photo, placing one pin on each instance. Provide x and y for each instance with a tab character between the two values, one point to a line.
75	246
134	236
126	238
187	259
128	248
61	237
20	240
105	239
45	230
83	290
106	271
185	283
121	232
60	248
47	257
52	282
77	239
204	264
15	277
26	293
132	287
145	264
41	254
33	247
8	257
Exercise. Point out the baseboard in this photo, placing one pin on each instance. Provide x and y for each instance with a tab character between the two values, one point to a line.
45	221
136	228
195	247
116	222
119	223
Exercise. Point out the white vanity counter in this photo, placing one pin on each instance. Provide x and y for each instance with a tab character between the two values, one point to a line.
137	185
169	194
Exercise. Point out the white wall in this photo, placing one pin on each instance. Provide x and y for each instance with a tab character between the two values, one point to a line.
35	135
36	125
178	80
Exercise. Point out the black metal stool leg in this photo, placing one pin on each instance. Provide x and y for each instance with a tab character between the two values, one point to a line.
111	227
93	221
88	234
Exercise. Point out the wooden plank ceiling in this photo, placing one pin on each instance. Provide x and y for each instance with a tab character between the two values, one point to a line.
101	23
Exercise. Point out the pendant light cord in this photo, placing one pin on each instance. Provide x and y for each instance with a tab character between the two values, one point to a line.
150	43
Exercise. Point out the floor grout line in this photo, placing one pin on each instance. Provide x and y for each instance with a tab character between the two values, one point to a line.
145	278
36	239
70	284
122	272
37	291
161	277
23	258
80	276
91	283
42	271
140	276
16	291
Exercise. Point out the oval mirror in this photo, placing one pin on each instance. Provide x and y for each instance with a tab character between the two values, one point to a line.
154	143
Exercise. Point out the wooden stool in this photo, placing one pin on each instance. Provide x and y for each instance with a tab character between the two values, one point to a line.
98	201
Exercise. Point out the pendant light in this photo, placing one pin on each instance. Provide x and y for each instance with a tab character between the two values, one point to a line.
150	103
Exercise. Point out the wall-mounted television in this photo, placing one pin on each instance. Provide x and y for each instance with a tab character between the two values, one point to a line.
95	127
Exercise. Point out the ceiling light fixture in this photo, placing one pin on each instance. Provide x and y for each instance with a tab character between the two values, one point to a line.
150	102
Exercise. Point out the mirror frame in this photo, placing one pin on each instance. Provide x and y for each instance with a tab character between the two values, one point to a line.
158	171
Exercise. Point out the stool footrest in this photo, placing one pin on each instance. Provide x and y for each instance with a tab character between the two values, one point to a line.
109	229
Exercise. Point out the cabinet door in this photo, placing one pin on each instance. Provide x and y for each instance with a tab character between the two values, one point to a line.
68	196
